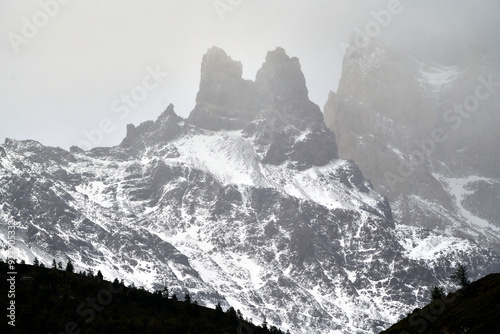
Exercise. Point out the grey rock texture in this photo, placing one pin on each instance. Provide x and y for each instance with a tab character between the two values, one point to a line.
224	100
424	134
275	109
262	217
167	127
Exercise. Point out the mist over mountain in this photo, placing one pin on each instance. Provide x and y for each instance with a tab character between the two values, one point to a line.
425	135
248	202
64	80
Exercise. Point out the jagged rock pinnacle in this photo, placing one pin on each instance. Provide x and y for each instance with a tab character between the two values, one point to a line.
165	128
224	100
282	76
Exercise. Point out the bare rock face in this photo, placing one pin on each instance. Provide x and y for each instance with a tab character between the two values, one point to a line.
423	134
275	110
281	76
224	100
251	209
165	128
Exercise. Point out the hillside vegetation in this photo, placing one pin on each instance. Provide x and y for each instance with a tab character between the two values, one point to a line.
49	300
471	310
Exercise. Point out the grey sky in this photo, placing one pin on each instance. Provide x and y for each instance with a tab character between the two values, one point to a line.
70	74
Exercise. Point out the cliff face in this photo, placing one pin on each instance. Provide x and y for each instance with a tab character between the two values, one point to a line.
425	135
224	100
275	110
244	203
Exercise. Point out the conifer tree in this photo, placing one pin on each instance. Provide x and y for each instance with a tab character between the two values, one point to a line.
69	267
461	277
218	308
99	276
437	293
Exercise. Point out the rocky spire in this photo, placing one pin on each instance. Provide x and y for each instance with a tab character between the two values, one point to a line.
281	76
275	110
224	100
165	128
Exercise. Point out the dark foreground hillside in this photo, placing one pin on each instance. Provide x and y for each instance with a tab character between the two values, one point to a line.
56	301
472	310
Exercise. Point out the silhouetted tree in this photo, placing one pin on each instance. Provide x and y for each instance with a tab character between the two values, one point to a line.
36	263
99	276
187	301
460	277
232	315
69	266
218	308
59	265
437	293
54	264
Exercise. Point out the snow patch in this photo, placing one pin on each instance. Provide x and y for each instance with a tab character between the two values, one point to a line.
438	77
95	191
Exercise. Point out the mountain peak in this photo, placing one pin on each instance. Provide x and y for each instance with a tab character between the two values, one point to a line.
275	111
14	143
388	108
165	128
277	56
224	99
217	67
169	112
282	76
265	217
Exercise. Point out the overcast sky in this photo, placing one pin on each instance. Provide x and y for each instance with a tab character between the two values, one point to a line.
65	68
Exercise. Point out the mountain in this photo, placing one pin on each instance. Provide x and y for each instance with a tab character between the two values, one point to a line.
474	309
426	136
244	203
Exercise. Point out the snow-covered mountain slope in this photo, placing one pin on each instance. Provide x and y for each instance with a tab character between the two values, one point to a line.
416	129
258	213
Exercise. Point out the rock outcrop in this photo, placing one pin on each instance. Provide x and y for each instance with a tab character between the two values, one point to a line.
254	212
225	101
424	135
275	110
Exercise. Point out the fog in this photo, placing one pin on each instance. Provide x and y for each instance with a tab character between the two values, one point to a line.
66	64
